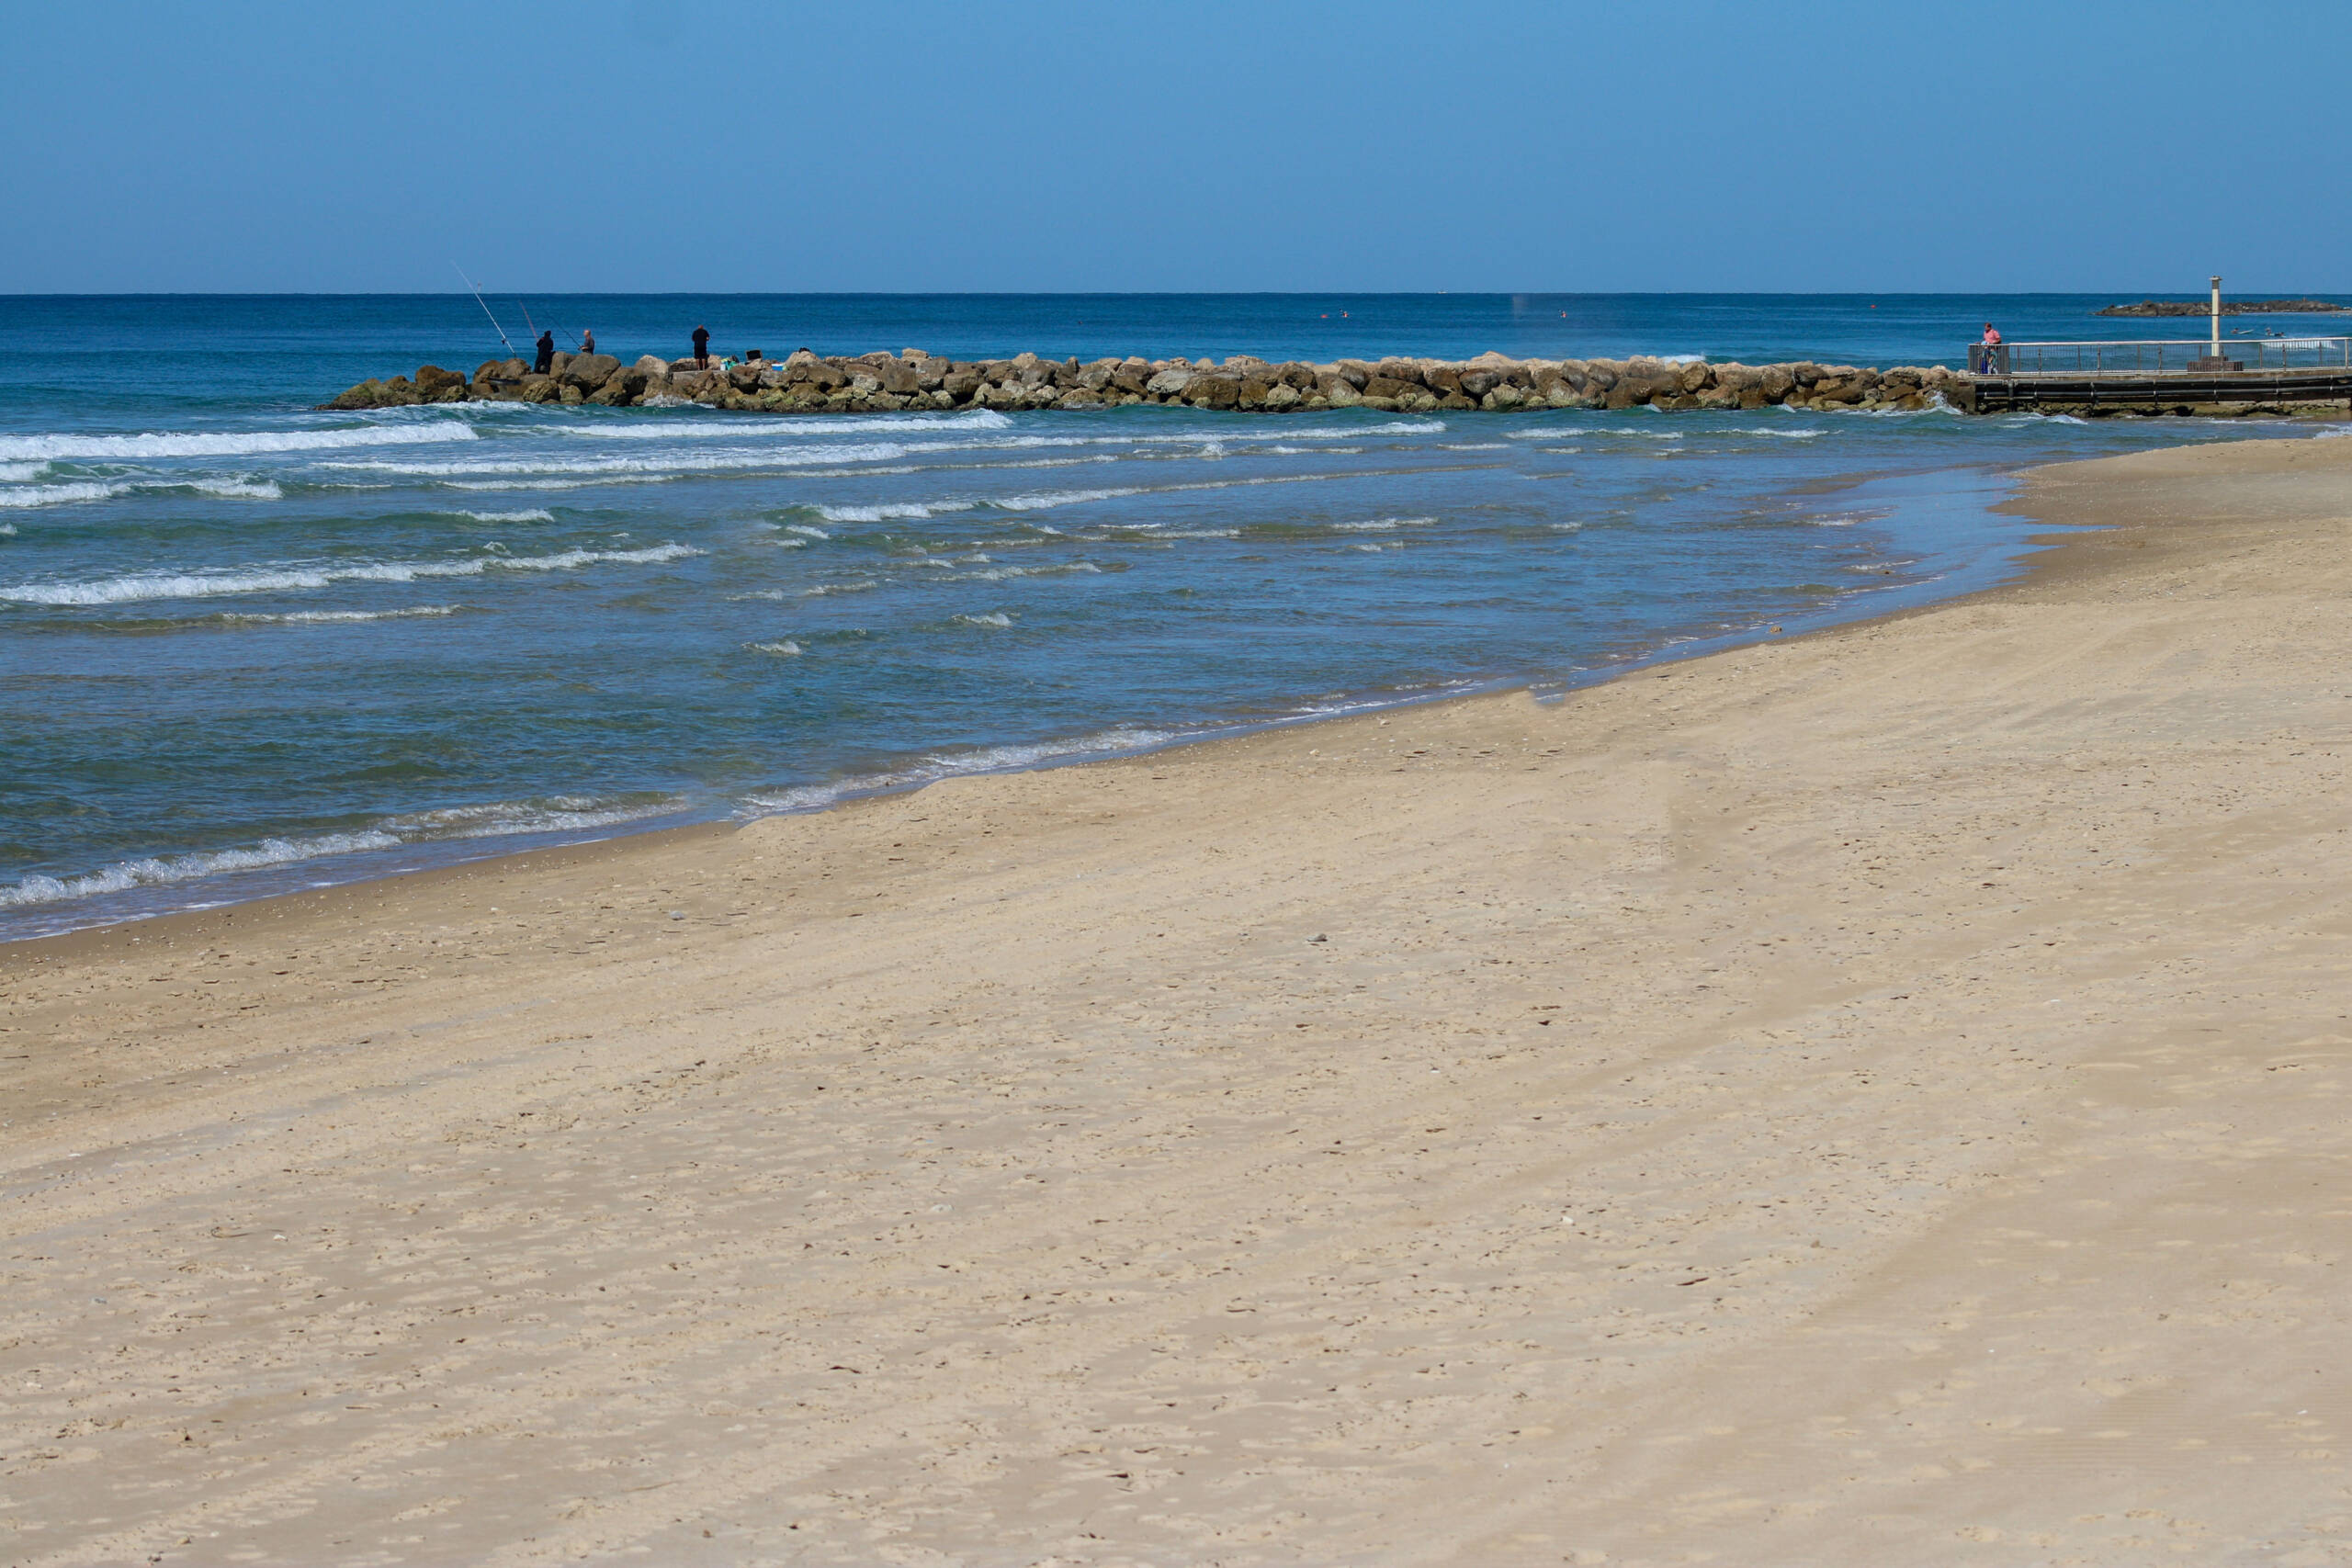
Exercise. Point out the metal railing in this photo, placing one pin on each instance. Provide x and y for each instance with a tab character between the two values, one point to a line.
2144	357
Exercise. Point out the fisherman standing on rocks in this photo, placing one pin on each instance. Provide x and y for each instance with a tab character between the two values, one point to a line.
587	339
545	361
702	348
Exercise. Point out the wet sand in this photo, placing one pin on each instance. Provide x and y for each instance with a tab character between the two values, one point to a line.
1875	1097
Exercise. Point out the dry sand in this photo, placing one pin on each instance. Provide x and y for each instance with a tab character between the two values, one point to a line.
1875	1099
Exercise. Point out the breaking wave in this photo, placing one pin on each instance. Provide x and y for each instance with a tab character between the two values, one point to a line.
52	449
105	489
280	580
327	617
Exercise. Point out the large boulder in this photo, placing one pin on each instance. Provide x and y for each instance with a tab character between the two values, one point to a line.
1169	383
431	380
585	371
368	394
1213	391
1390	387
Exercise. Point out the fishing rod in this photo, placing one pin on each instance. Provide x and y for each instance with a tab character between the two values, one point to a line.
535	326
485	309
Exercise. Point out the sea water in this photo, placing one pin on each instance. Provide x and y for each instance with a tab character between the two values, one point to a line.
246	646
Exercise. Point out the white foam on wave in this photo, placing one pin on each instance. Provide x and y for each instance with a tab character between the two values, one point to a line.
538	484
278	580
663	464
60	495
1002	573
1049	499
823	588
737	428
159	869
534	515
997	619
16	473
7	530
1783	434
890	512
228	444
560	814
555	814
105	490
330	617
806	532
784	648
984	760
1382	524
556	471
1471	447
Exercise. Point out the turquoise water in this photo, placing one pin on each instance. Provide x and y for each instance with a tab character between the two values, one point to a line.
246	646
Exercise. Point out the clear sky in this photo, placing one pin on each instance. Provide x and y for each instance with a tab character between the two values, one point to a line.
711	145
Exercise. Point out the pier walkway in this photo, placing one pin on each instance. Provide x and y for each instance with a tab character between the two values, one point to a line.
2158	376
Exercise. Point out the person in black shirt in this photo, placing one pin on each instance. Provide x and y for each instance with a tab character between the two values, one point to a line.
545	361
702	348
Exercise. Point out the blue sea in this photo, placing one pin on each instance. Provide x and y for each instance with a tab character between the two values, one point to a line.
248	647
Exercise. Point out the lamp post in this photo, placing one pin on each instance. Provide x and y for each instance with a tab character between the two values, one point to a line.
2217	318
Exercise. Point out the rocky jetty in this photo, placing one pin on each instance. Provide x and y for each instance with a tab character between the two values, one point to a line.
877	383
2229	307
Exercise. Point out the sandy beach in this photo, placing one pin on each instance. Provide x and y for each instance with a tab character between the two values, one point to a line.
1872	1098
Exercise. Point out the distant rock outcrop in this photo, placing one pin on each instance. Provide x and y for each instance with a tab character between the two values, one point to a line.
2229	307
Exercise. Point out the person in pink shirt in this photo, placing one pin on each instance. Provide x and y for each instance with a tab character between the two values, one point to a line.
1988	349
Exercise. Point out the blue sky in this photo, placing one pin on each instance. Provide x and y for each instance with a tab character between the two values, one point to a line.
706	145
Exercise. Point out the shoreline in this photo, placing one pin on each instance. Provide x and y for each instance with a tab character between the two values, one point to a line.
1864	1095
2005	563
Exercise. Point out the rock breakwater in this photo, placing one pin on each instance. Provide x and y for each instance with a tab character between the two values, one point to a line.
913	379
